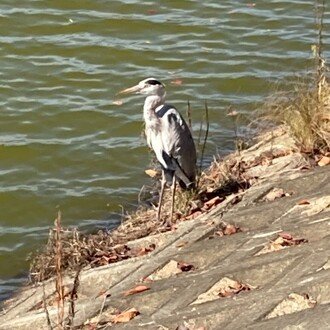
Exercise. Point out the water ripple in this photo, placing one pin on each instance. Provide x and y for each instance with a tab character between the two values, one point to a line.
63	141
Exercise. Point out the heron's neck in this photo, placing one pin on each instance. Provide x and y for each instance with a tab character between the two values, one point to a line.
150	105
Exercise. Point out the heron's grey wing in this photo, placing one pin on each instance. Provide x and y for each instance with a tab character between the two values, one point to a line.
179	152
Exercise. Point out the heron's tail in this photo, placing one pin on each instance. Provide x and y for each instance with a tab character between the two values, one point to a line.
183	179
174	168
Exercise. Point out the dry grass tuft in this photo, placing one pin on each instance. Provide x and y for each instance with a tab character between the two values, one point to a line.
79	250
58	270
306	114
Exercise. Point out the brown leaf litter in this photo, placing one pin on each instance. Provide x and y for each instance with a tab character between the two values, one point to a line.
79	250
137	289
126	316
224	288
283	241
303	202
224	229
110	317
324	161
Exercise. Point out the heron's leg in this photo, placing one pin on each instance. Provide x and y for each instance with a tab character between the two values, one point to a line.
173	198
163	183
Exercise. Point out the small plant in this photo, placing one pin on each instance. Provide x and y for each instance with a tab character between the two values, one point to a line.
306	110
58	271
306	113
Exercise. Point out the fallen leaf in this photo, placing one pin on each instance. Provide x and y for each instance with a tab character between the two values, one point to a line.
104	318
282	241
141	251
185	267
226	229
137	289
230	229
152	173
193	215
212	202
234	288
303	202
324	161
126	316
285	235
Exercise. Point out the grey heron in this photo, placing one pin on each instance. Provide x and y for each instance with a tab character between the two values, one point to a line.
169	136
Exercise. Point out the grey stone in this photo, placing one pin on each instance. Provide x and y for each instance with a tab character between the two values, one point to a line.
300	270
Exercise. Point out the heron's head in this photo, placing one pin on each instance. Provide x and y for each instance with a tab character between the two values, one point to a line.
149	86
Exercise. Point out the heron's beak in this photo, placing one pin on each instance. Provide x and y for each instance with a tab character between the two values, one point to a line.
134	89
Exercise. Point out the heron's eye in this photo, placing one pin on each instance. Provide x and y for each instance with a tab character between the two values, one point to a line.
153	82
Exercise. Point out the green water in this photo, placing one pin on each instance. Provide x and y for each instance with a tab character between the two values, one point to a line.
65	144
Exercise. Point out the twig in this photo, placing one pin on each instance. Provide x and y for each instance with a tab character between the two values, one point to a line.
122	219
189	115
49	322
205	136
231	112
101	310
140	194
200	134
73	297
320	62
59	280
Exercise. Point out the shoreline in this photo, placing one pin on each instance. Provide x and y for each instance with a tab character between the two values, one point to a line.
276	155
257	215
